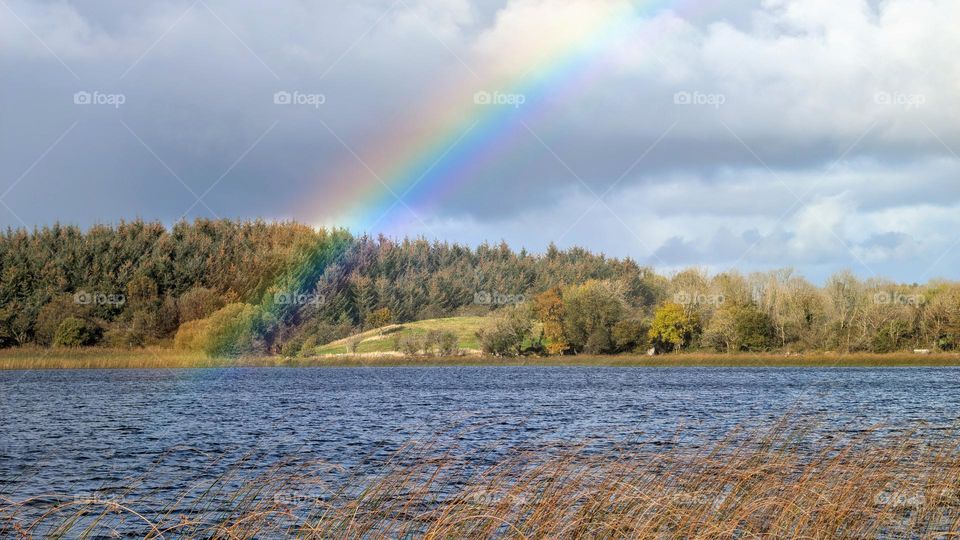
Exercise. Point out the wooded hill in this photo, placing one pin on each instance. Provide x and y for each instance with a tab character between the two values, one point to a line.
232	287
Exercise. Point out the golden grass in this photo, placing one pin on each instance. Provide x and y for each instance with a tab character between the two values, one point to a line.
102	358
768	485
815	359
166	358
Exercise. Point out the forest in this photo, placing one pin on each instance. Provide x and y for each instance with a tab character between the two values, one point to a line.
235	288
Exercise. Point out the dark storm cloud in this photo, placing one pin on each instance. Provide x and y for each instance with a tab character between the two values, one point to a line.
736	118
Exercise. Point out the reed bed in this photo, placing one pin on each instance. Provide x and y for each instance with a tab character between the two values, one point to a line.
781	483
166	358
102	358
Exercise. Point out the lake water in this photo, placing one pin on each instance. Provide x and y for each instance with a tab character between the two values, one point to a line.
69	432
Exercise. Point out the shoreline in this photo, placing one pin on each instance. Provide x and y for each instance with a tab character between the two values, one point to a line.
162	358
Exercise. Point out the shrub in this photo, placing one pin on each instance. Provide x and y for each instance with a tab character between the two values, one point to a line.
592	307
141	327
629	334
892	336
53	313
291	347
506	333
755	330
74	332
237	330
598	343
448	344
191	336
352	343
739	328
309	347
409	344
379	318
431	342
492	341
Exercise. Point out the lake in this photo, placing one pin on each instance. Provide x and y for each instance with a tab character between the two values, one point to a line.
72	432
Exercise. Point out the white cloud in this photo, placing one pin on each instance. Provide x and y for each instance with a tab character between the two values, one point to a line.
744	222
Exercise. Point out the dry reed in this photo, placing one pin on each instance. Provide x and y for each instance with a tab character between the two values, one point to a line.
787	482
164	358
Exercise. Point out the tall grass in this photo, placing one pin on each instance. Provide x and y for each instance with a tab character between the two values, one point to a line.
784	483
103	358
160	357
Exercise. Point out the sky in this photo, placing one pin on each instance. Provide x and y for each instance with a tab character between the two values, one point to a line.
750	134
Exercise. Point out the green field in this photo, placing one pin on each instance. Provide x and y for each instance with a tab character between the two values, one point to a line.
384	339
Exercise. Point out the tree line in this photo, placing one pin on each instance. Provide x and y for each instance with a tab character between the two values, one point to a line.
250	287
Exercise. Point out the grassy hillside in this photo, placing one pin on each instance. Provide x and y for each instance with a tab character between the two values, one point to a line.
384	339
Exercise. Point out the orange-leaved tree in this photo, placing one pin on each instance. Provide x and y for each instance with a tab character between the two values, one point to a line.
550	311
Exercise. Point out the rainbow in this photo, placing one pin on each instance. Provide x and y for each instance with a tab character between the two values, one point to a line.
454	134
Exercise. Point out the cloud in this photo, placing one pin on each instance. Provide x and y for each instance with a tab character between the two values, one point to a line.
814	132
741	222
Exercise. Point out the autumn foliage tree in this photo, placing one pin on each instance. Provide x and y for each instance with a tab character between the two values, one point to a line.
672	327
548	307
319	285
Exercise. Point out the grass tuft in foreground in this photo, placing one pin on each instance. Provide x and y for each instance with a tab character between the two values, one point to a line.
784	484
